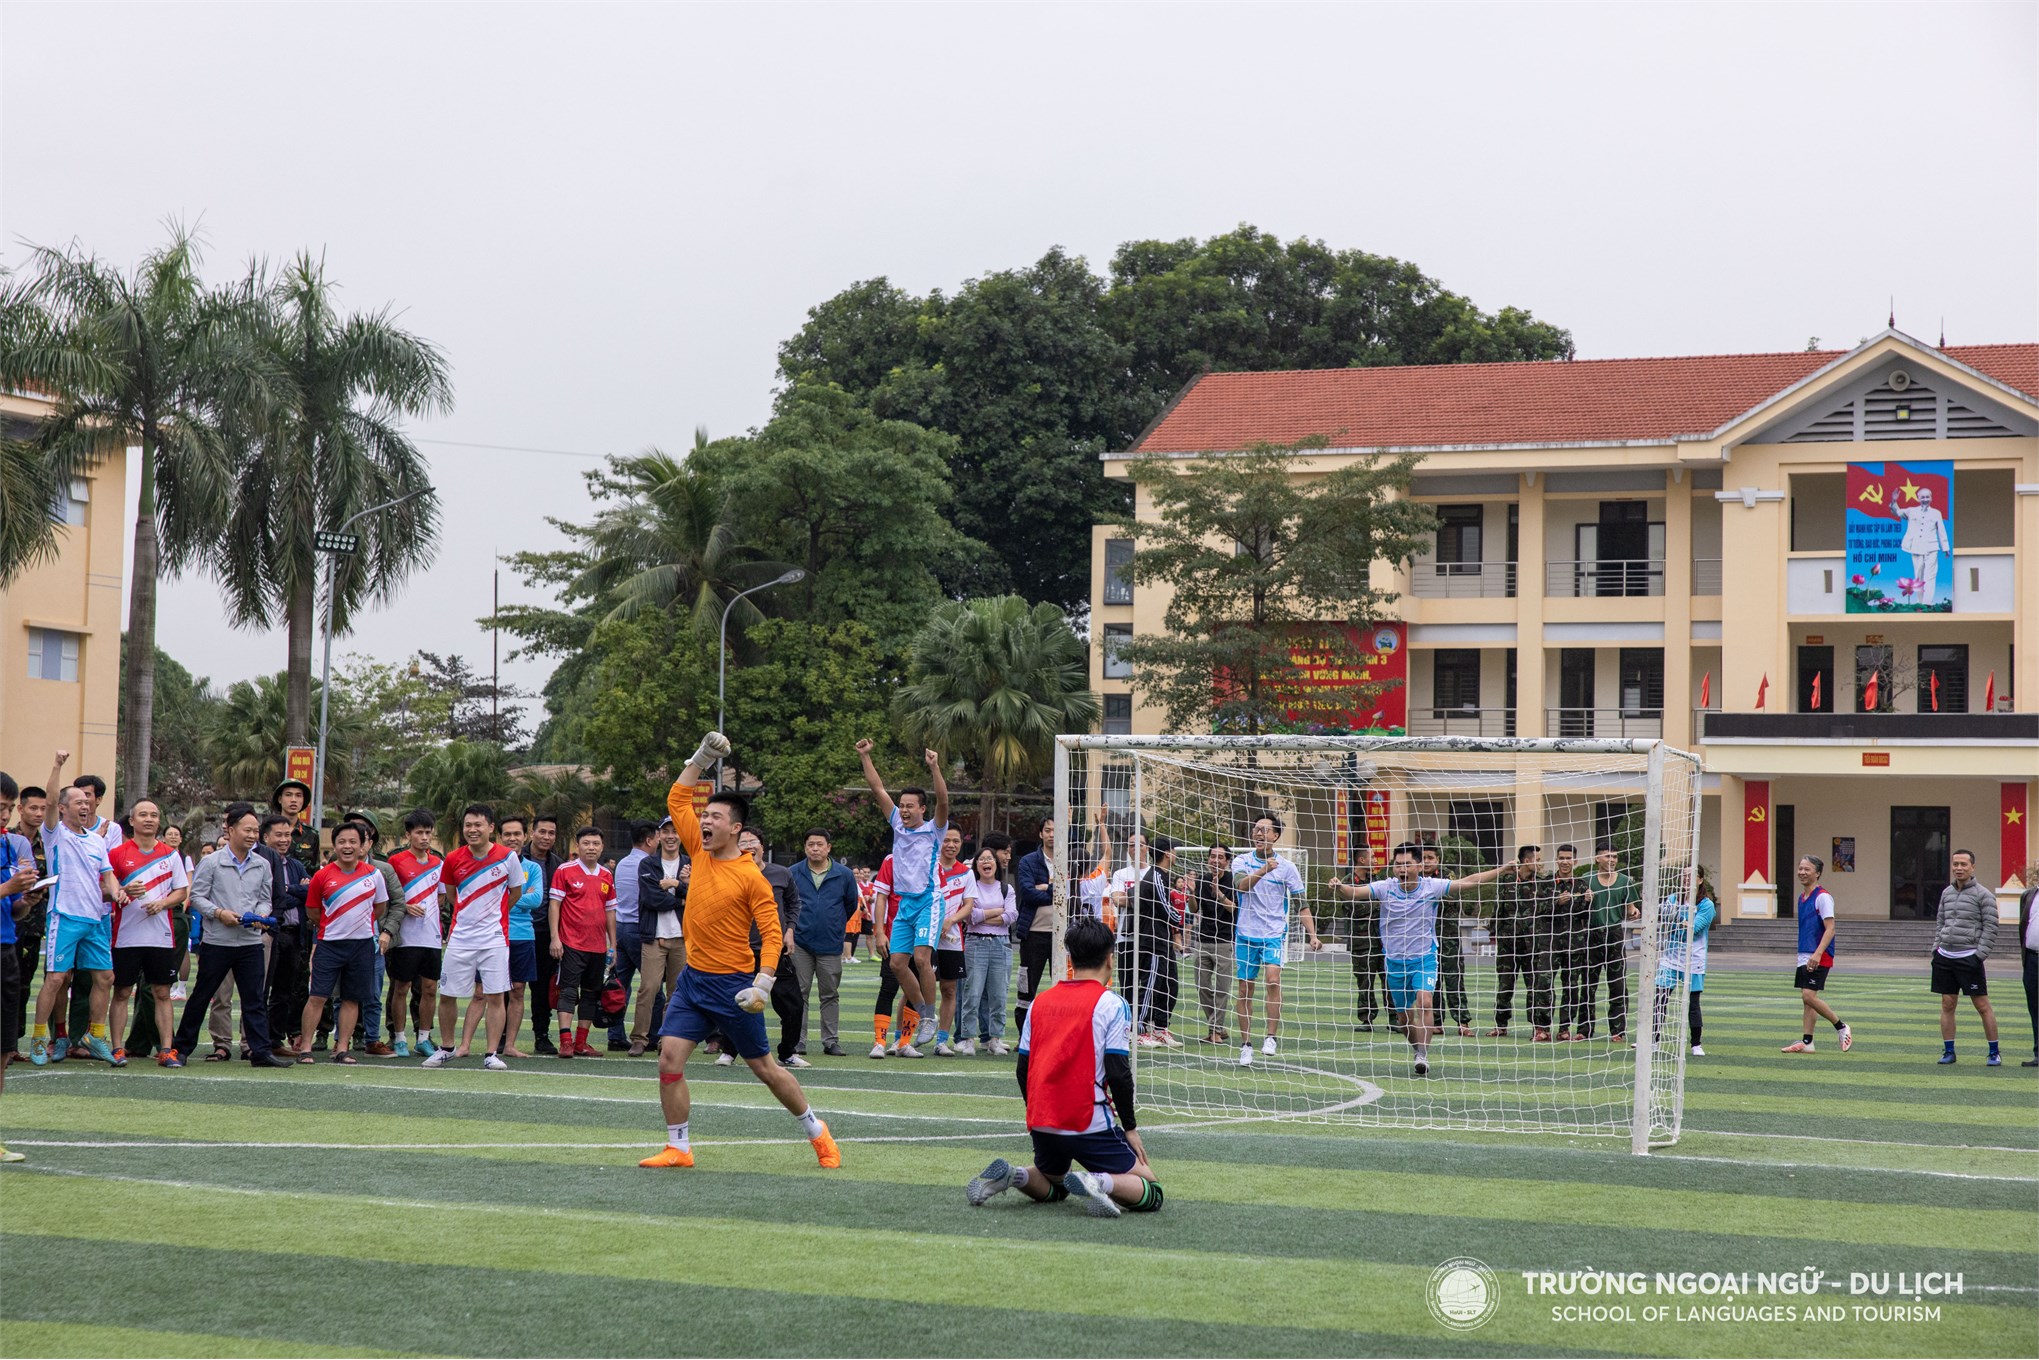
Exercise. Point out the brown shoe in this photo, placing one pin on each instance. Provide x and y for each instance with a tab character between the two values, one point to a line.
379	1049
1500	1033
636	1048
1465	1031
1542	1036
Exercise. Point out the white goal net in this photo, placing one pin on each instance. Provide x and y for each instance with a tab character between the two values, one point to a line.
1555	1000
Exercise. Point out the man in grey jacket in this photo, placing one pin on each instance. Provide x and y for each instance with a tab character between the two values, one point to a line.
232	893
1964	932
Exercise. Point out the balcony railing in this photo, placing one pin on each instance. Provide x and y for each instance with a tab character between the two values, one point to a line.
1706	576
1854	728
1605	722
1462	580
1461	722
1606	576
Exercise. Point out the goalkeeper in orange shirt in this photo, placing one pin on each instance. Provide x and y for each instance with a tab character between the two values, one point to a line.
716	992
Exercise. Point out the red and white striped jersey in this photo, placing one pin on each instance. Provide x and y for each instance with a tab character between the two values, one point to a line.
344	904
420	877
148	878
483	888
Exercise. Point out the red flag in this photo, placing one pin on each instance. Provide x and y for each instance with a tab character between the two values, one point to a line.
1897	488
1989	694
1705	688
1933	684
1869	692
1816	677
1763	690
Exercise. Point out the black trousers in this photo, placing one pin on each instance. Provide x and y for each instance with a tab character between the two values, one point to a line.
1451	976
2032	995
290	982
250	982
1514	958
1367	975
1662	1010
1036	951
1602	958
1156	987
790	1005
27	951
540	1009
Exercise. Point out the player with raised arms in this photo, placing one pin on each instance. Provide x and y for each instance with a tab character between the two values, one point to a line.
716	993
1408	911
1076	1071
916	919
1265	882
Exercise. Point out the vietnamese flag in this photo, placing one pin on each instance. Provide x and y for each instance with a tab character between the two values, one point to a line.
2014	812
1869	692
1934	678
1898	488
1989	694
1763	689
1705	688
1816	677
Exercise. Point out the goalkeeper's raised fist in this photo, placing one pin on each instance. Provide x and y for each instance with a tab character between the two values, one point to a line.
713	747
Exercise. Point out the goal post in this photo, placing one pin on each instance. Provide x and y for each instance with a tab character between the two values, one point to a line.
1557	998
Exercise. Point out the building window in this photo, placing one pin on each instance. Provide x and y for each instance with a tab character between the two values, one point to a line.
1642	682
1116	667
1118	571
1815	679
67	506
1118	715
1874	661
52	655
1458	540
1949	666
1118	790
1455	681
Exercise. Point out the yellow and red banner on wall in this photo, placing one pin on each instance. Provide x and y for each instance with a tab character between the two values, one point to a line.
2014	822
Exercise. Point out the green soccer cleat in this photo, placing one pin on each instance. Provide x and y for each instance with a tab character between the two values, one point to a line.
995	1179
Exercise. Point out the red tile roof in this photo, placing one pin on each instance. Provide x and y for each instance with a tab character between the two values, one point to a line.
1512	403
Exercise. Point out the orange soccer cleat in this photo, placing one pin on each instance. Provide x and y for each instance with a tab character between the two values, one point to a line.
671	1156
826	1150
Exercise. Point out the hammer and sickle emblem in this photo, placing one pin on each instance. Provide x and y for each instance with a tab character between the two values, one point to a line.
1759	813
1873	494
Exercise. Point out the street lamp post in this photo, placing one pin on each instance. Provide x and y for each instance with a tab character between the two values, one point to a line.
792	577
336	543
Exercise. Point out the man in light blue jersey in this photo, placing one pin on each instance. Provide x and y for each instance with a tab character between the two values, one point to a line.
1267	884
916	923
1408	910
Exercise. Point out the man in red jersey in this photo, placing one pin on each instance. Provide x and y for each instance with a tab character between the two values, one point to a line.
582	913
410	934
483	878
144	944
341	899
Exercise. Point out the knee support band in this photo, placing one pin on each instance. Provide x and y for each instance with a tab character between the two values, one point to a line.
669	1078
1150	1197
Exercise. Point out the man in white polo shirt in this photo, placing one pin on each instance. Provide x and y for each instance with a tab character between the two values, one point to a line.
80	934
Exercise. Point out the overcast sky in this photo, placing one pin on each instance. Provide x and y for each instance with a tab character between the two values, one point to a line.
609	217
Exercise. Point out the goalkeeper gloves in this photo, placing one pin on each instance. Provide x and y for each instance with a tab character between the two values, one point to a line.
752	998
713	747
255	920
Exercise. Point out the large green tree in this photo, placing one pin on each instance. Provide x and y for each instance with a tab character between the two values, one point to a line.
331	447
150	360
1265	565
994	681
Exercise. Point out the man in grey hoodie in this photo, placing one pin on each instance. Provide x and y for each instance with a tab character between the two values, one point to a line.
1964	932
232	892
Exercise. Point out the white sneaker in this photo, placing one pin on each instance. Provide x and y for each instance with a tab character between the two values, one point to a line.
967	1049
1246	1055
495	1064
724	1059
998	1048
1148	1041
945	1050
439	1057
1423	1067
877	1050
796	1061
178	992
1169	1039
1093	1190
1267	1045
908	1051
928	1026
1698	1052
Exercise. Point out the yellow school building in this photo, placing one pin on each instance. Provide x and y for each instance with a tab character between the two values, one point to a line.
1665	548
60	624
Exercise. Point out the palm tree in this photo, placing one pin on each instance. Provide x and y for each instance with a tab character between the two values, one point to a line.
245	749
995	680
28	536
563	791
669	544
149	359
331	449
458	773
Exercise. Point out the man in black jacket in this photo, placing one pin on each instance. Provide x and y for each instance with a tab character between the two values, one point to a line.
661	907
2028	936
1035	928
542	850
290	947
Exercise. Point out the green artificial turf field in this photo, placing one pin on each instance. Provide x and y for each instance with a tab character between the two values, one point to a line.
386	1209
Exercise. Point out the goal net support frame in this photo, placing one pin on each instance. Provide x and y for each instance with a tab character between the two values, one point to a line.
1269	765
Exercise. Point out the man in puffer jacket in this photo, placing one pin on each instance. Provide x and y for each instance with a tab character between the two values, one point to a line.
1963	935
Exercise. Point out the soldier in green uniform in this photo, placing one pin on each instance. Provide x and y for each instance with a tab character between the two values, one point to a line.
291	798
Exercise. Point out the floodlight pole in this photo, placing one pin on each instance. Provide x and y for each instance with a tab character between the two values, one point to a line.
722	647
326	671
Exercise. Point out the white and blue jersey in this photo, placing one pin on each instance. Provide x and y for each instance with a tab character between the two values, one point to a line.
1681	954
913	856
1408	915
1264	908
78	859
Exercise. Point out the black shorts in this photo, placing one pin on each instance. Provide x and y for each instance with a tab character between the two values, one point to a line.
1814	979
1958	977
1106	1150
948	965
10	998
344	968
153	964
408	962
582	974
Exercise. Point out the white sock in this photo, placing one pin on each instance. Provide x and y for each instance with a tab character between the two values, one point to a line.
811	1122
1422	1052
676	1136
1019	1178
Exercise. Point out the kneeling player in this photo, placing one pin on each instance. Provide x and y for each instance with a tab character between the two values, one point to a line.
716	993
1076	1071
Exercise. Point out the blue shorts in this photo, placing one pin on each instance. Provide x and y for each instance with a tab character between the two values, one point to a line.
704	1005
1251	955
78	943
344	968
1105	1150
916	924
523	961
1407	977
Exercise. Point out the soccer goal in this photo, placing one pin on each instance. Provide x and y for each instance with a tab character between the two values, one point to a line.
1574	959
